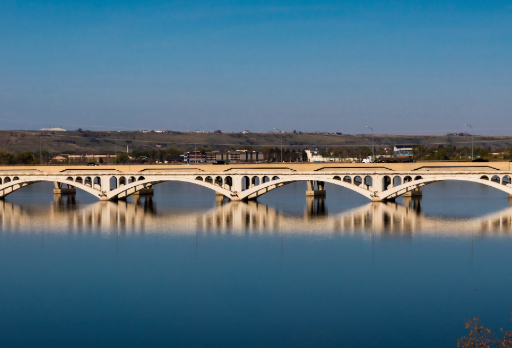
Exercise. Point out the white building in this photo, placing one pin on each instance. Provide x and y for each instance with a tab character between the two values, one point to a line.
52	130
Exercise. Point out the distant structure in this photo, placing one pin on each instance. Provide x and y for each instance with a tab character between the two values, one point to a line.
106	159
53	130
156	131
403	150
59	159
194	157
217	132
246	132
314	156
459	134
237	156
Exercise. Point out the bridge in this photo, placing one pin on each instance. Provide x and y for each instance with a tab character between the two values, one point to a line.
376	181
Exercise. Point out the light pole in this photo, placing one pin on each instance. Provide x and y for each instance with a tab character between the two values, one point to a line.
467	124
373	150
280	131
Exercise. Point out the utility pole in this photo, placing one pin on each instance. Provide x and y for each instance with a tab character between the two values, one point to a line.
40	151
467	124
115	147
373	149
280	131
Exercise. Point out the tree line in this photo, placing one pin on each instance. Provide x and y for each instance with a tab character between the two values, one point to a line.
274	154
7	157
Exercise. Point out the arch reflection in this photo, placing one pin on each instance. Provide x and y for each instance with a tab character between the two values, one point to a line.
66	216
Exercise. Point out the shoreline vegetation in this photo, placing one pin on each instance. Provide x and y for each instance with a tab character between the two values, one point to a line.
481	336
34	147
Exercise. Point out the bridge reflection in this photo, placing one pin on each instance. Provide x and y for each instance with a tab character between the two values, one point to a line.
66	216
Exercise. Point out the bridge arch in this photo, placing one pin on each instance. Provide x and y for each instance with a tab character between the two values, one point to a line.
245	182
133	187
228	182
9	187
407	186
97	183
386	182
368	181
113	183
274	184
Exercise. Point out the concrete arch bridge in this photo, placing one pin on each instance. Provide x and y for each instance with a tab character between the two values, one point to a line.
377	182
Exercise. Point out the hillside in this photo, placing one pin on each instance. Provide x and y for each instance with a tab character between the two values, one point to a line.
105	142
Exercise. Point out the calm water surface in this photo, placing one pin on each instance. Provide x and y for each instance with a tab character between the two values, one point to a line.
183	270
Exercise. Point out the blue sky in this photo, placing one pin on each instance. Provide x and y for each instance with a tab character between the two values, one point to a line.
419	67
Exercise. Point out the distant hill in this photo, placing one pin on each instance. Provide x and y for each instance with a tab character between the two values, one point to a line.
56	142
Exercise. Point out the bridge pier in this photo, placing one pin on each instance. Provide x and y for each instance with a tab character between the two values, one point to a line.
219	197
414	193
70	190
319	192
144	191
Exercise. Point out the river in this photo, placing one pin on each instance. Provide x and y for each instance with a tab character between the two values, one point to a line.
181	269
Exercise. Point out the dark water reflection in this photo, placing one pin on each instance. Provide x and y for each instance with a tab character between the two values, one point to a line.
182	269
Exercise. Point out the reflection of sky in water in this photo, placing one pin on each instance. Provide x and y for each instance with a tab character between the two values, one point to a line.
185	271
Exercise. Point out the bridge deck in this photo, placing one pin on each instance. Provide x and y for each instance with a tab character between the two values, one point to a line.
294	167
